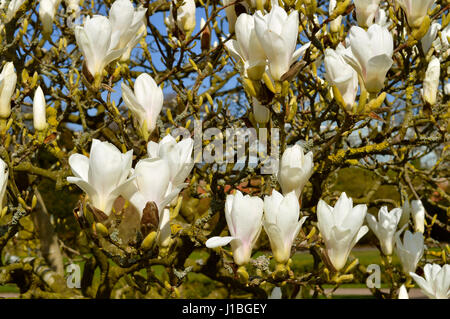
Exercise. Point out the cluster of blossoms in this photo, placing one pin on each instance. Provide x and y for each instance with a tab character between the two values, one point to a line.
108	174
265	50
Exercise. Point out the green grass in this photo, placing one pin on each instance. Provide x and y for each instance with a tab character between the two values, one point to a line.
9	288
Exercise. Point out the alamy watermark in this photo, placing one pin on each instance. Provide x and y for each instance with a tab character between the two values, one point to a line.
238	146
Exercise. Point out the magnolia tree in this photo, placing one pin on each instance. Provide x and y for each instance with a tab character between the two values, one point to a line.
185	148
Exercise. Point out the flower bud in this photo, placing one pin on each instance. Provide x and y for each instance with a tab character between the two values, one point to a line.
418	215
8	79
260	112
335	24
431	81
39	106
47	11
3	182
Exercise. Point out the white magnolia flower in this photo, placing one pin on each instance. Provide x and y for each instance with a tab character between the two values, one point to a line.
247	48
441	44
47	11
3	181
128	25
406	214
178	156
430	36
335	25
260	112
382	19
185	17
415	10
230	11
447	89
281	223
385	228
276	293
341	228
12	9
366	10
371	55
277	32
152	184
410	251
146	102
431	81
403	293
8	79
39	110
94	40
418	215
103	176
295	169
342	75
436	283
244	219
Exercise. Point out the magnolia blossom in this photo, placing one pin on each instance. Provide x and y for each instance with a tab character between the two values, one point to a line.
441	44
431	81
447	89
366	10
178	156
179	160
12	9
260	112
403	293
126	25
230	11
276	293
385	228
39	108
382	19
406	214
247	48
410	251
335	25
277	32
371	55
418	215
8	79
3	181
295	169
244	219
146	102
185	17
152	184
47	11
430	36
281	223
94	40
104	175
342	75
415	10
341	228
436	283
